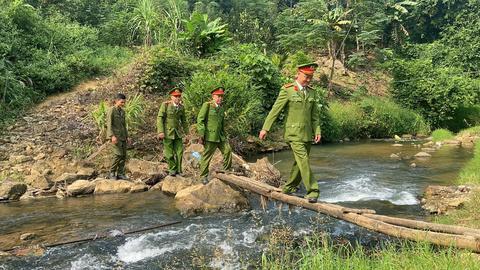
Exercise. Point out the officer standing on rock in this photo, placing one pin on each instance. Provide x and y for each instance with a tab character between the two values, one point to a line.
211	128
301	126
118	135
171	127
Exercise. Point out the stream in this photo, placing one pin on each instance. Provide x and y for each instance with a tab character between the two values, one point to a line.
360	174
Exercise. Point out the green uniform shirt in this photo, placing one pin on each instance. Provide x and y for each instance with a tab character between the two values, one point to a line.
210	122
171	120
116	124
303	119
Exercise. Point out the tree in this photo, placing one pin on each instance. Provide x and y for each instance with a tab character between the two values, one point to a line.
145	21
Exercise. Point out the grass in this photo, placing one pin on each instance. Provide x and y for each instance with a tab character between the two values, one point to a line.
441	135
320	253
470	174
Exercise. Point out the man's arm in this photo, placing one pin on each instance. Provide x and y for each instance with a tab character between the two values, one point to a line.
109	122
201	118
277	108
183	119
316	120
161	119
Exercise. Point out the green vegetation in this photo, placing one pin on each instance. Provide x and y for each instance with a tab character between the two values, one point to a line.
370	118
442	135
321	253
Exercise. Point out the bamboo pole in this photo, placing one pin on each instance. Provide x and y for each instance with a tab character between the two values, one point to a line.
370	221
417	224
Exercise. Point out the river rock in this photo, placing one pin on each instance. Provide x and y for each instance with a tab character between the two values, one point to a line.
69	178
81	187
395	156
11	191
422	155
27	236
451	142
38	180
148	171
157	186
138	187
428	149
265	172
397	145
173	184
192	156
106	186
216	196
440	199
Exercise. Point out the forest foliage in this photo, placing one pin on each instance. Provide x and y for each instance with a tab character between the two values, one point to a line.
430	49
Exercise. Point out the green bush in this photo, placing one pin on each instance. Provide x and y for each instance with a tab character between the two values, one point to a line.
370	118
243	109
463	117
384	118
442	135
165	69
436	92
345	121
264	75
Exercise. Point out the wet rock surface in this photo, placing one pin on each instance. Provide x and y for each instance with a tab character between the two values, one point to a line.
441	199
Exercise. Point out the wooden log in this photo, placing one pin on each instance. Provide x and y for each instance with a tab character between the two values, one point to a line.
439	238
422	225
100	149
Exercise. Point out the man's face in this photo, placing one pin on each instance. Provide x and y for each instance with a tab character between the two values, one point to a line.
218	99
176	99
304	79
120	103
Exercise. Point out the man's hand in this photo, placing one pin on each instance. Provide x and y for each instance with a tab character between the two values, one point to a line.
263	134
114	140
318	137
161	136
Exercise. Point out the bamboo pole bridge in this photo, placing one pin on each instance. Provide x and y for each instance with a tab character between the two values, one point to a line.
439	234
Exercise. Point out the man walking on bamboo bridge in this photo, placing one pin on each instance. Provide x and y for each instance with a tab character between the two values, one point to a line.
301	126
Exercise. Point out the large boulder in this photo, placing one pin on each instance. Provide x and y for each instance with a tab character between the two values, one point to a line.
172	185
216	196
10	190
148	171
38	180
81	174
106	186
81	187
265	172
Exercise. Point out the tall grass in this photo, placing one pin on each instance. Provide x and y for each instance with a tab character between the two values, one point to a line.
322	254
470	174
442	135
371	118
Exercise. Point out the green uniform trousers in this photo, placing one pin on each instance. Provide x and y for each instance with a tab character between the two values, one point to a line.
173	153
208	152
119	152
301	170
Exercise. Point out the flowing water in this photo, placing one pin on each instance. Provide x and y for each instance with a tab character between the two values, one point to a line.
356	174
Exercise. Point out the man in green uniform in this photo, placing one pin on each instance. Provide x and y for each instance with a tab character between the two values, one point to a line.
210	126
301	126
117	134
171	127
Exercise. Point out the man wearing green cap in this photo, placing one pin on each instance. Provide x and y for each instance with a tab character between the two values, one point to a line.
210	126
118	135
301	127
171	126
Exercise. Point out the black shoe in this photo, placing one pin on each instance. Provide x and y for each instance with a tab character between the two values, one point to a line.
122	177
205	180
172	173
112	176
312	200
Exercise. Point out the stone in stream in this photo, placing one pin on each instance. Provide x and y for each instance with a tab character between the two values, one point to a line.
38	180
441	199
173	184
107	186
81	187
216	196
395	156
148	171
422	155
397	145
10	190
27	236
428	149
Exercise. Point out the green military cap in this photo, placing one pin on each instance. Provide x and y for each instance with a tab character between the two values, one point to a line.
308	68
218	91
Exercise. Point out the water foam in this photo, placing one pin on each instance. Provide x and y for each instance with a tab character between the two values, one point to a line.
87	262
364	189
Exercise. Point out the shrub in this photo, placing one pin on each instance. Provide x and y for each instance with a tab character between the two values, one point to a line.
242	105
264	75
463	117
436	92
384	118
165	69
345	121
441	135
